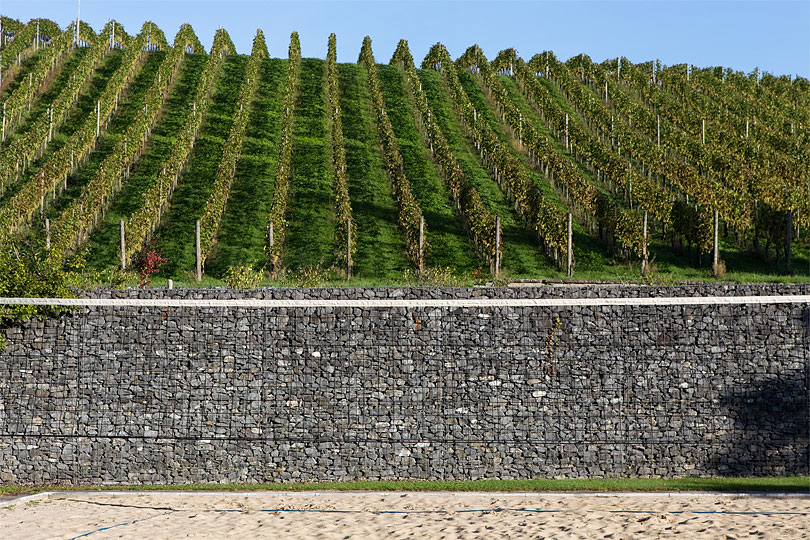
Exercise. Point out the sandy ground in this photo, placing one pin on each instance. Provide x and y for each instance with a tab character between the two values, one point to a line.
403	515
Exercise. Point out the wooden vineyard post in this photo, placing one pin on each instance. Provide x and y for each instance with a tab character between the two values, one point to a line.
98	118
567	144
788	230
497	246
570	267
199	254
47	233
421	244
645	262
78	21
658	129
716	252
348	249
123	248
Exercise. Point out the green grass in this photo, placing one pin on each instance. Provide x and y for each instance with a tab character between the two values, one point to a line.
522	256
105	240
794	484
310	238
450	246
379	239
174	238
241	238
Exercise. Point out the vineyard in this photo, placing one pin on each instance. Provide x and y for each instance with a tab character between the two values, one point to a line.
120	148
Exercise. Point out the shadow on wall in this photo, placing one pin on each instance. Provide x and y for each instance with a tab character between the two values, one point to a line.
769	414
770	421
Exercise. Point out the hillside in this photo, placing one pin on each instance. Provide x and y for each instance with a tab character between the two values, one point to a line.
669	172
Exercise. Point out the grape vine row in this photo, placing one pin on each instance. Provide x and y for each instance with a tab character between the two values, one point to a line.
410	214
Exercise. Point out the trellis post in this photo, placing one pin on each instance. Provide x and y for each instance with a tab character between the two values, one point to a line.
199	253
123	248
497	246
570	246
421	244
348	248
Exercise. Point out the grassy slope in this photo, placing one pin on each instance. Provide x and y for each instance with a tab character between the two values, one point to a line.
521	254
81	110
127	110
380	242
105	241
310	239
450	246
241	237
174	238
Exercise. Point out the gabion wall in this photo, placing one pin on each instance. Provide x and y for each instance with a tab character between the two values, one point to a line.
213	394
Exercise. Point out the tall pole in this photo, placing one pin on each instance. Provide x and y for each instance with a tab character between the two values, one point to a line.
199	253
421	244
570	267
348	248
645	265
787	239
567	145
497	245
98	118
123	248
47	233
658	130
716	254
78	20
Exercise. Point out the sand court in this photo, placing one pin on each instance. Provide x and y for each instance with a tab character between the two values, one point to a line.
169	515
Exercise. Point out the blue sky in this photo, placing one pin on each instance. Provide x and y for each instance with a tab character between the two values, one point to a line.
772	35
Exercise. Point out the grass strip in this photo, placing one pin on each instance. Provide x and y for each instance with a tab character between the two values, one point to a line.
242	235
175	235
790	484
310	237
381	250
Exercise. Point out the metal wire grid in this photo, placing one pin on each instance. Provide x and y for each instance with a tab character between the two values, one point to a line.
320	375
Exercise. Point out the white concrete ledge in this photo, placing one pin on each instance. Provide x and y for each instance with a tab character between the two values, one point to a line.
410	303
